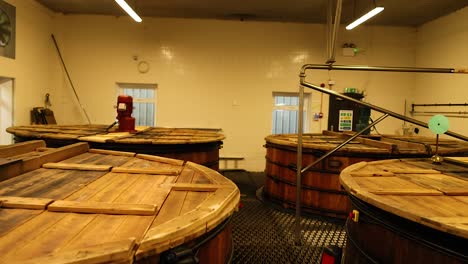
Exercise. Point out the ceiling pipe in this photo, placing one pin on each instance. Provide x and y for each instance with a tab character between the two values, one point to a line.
336	27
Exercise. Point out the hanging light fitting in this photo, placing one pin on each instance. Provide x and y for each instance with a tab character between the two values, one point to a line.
129	10
365	17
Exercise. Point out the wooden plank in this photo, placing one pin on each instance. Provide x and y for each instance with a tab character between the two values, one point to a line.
415	192
5	162
24	202
447	184
77	166
412	171
105	189
335	134
106	228
161	159
373	174
463	199
454	191
12	218
111	252
112	152
212	175
406	145
102	208
450	219
174	228
378	144
10	170
53	184
20	148
170	172
31	230
183	226
42	149
463	161
55	155
195	187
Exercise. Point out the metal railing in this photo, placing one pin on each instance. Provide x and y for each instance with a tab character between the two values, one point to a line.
386	112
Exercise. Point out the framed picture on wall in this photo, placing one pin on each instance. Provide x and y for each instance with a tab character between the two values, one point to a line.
7	29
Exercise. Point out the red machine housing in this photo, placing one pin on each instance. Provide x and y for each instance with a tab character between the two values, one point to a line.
124	114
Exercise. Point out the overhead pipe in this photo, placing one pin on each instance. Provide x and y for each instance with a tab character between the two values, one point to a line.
336	27
377	108
378	68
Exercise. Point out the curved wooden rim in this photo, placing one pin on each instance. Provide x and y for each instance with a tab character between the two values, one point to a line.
395	145
98	133
353	188
206	216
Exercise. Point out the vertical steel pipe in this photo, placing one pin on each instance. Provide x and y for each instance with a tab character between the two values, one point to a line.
329	27
299	166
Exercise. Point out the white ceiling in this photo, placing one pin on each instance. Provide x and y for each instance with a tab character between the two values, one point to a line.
396	13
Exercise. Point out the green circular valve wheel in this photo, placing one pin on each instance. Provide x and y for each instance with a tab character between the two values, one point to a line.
439	124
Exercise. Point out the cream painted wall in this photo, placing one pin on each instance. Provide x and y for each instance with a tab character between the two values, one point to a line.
35	66
221	74
443	43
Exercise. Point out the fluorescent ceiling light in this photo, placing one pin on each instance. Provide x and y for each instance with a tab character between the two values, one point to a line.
365	17
129	10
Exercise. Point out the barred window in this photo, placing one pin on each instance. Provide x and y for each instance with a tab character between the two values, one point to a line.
144	102
286	114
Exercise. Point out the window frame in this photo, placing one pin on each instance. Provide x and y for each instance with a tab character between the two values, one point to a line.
306	108
120	91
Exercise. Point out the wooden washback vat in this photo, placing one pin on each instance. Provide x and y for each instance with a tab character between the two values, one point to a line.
197	145
321	190
410	211
79	205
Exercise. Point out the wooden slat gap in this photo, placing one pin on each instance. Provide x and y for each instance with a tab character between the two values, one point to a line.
194	187
112	152
161	159
167	172
411	192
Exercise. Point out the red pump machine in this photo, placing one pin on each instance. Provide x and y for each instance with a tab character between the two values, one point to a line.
124	114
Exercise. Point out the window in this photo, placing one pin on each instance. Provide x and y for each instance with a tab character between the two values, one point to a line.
286	114
144	102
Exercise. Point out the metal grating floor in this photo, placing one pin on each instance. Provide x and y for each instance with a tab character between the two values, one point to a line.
264	233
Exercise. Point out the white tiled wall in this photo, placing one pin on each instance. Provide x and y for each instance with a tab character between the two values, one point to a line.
221	74
212	73
443	43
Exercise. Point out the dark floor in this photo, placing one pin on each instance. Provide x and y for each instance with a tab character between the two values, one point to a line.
264	233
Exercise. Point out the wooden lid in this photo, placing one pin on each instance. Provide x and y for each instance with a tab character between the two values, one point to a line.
99	133
415	189
111	205
378	144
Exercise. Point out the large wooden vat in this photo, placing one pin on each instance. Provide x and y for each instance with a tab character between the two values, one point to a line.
197	145
410	211
321	190
79	205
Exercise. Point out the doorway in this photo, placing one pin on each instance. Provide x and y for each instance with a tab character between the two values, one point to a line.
6	109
